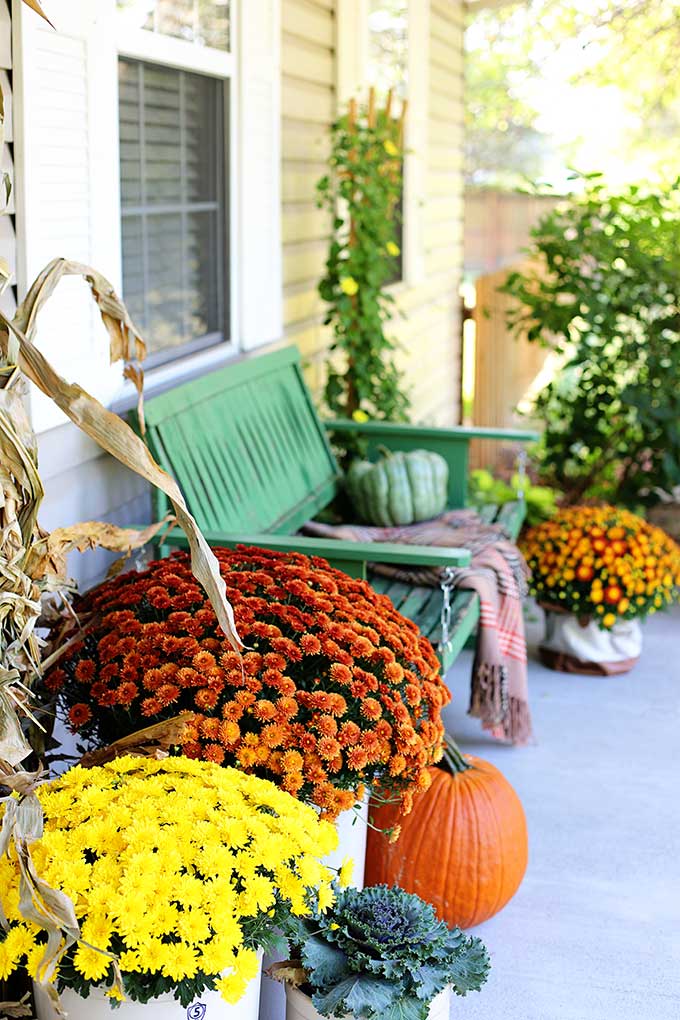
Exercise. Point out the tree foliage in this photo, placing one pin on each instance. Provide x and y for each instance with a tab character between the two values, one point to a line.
606	297
627	46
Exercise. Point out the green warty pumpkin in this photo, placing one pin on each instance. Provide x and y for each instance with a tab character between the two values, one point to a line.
401	488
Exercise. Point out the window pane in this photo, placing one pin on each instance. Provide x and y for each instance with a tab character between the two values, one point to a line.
173	196
164	297
204	117
203	297
130	135
161	97
203	22
388	45
133	268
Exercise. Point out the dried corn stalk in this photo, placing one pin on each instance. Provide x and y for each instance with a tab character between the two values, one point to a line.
35	6
32	562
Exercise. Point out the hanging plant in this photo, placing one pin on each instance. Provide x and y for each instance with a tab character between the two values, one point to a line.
362	192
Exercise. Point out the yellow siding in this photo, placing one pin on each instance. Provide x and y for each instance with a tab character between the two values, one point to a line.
430	335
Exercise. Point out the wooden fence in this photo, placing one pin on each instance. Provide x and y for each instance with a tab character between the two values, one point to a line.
507	371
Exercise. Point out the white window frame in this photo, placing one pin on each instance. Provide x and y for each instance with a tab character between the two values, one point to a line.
352	78
166	51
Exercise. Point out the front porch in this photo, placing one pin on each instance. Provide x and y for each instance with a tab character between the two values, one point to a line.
592	933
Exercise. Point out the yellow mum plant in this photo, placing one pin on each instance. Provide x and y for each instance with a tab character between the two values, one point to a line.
602	562
180	869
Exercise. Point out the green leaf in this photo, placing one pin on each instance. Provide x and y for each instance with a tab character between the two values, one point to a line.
325	963
359	995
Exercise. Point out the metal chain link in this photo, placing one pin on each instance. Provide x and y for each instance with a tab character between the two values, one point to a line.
447	578
522	460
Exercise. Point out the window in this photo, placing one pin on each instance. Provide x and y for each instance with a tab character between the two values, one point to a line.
174	173
201	22
388	46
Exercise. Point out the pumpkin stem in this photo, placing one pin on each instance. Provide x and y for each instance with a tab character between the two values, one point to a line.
454	760
385	452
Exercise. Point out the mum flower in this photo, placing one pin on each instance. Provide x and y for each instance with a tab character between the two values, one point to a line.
602	562
177	867
336	685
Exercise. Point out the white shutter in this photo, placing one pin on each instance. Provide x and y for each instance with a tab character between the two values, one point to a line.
259	268
66	150
8	247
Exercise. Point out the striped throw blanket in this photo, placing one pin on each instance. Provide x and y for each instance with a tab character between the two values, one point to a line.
499	689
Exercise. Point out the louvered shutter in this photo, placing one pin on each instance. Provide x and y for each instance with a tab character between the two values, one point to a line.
261	286
66	150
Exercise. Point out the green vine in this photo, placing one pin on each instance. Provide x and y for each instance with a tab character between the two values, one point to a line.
362	191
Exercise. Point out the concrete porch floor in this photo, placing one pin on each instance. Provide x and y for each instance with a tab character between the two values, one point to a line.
594	931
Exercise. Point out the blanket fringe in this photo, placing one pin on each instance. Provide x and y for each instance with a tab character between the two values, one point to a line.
507	718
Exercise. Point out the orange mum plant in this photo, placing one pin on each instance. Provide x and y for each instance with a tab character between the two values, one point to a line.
335	689
602	562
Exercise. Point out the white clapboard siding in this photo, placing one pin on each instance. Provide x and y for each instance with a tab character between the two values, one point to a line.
261	283
5	36
67	181
8	244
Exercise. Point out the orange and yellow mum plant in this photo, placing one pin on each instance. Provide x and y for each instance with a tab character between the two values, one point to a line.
602	562
335	688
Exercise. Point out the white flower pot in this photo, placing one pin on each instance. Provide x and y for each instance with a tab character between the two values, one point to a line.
571	645
97	1006
352	827
300	1007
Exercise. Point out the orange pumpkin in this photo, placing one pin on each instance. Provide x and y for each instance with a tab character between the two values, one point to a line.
463	847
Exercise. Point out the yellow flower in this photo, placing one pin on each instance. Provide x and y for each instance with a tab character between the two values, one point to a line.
346	872
326	898
360	416
393	248
608	620
163	860
349	286
390	148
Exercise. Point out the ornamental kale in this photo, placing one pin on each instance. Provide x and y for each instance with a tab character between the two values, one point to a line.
382	953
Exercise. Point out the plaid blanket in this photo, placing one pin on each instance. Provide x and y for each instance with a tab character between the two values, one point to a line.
499	688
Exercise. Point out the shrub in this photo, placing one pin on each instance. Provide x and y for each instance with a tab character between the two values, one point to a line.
604	293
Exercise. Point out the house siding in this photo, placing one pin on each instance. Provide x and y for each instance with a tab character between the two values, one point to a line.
83	484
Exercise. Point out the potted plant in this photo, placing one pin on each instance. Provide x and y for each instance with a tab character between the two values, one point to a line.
379	953
597	571
179	871
335	691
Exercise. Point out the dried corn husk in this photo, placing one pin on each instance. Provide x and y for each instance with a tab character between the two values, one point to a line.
153	741
48	908
32	562
49	553
17	1009
35	6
